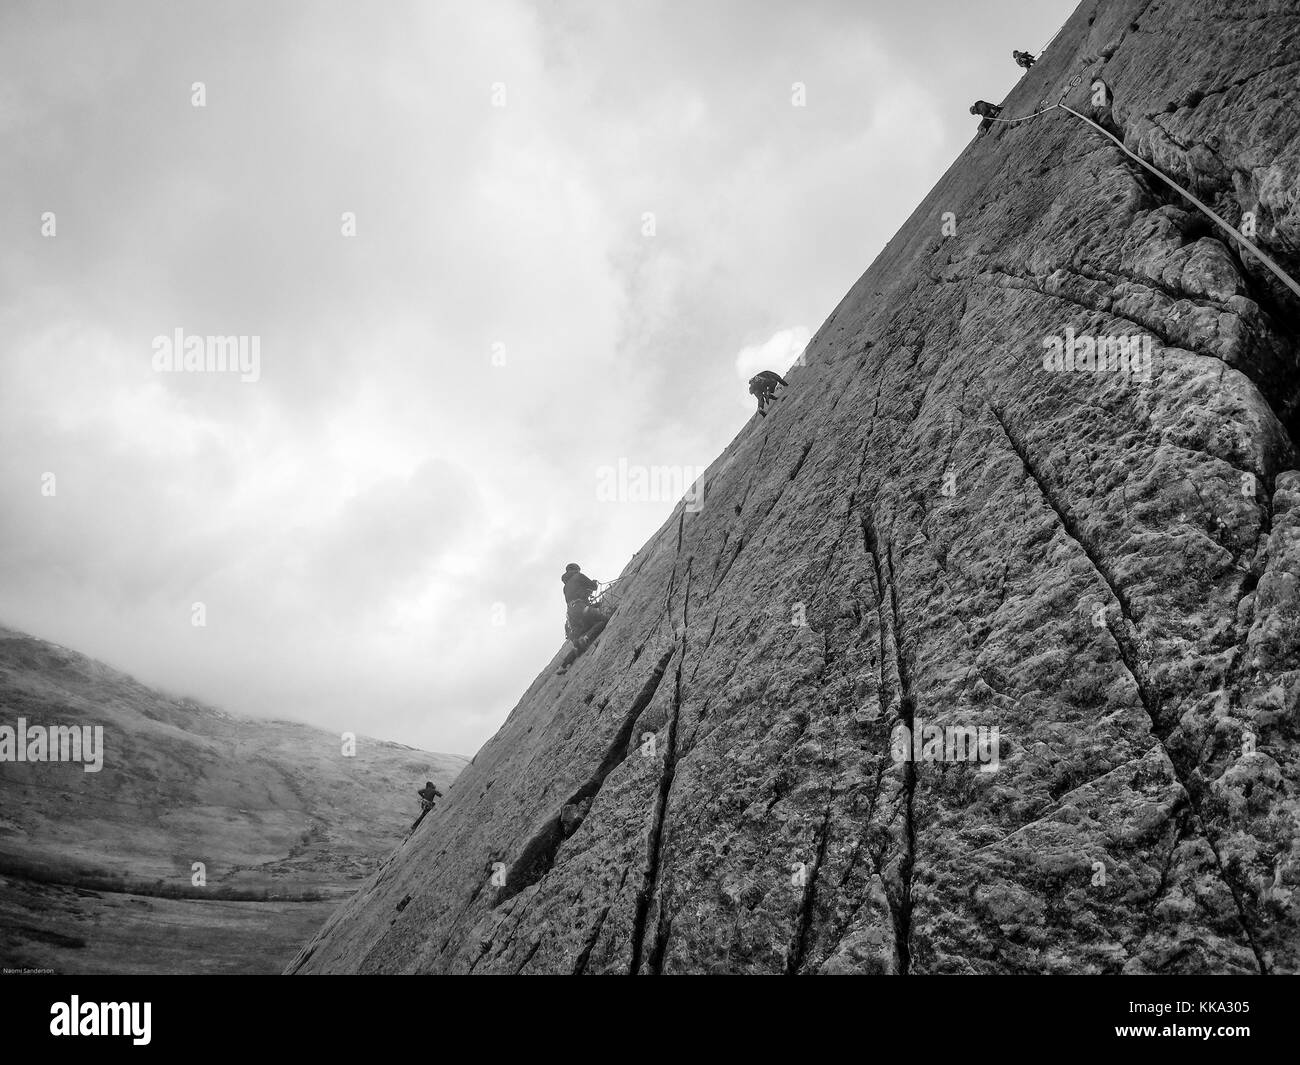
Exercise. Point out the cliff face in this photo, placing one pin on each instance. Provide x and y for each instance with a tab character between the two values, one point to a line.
1101	567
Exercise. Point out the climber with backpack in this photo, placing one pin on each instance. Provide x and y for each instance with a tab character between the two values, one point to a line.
583	619
763	387
428	795
1023	59
579	613
987	110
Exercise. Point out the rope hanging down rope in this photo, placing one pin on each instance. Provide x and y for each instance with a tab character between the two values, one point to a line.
1262	256
1281	274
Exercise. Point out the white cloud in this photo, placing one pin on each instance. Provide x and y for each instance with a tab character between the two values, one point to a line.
777	353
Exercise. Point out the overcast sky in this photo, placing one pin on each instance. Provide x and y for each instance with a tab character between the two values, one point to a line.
419	455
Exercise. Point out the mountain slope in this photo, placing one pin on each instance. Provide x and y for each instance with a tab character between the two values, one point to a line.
272	810
931	529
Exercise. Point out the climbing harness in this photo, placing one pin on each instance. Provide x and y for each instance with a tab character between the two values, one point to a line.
1022	118
1060	104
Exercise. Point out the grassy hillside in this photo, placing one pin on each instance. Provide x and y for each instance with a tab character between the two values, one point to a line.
96	869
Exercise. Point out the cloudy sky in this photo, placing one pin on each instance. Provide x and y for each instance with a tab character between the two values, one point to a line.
579	227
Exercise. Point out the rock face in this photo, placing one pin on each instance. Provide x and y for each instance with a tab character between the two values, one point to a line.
930	529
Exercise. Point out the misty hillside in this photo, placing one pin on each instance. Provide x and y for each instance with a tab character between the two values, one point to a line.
273	810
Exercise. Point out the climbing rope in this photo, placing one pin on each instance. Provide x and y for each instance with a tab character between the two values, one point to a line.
1051	107
1023	118
1263	257
1281	274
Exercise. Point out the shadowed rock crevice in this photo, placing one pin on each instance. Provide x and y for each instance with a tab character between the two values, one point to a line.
1152	699
1074	530
799	948
891	628
651	878
580	966
803	456
538	855
650	882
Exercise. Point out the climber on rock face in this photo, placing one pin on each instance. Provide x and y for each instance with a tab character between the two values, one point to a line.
429	794
987	110
580	613
1023	59
584	620
763	387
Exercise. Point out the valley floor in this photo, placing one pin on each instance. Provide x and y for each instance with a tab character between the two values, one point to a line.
77	931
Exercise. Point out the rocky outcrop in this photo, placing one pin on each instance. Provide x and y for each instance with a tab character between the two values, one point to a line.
1090	574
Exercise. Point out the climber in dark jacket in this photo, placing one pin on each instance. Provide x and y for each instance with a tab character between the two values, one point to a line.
428	795
578	589
987	110
1023	59
763	386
